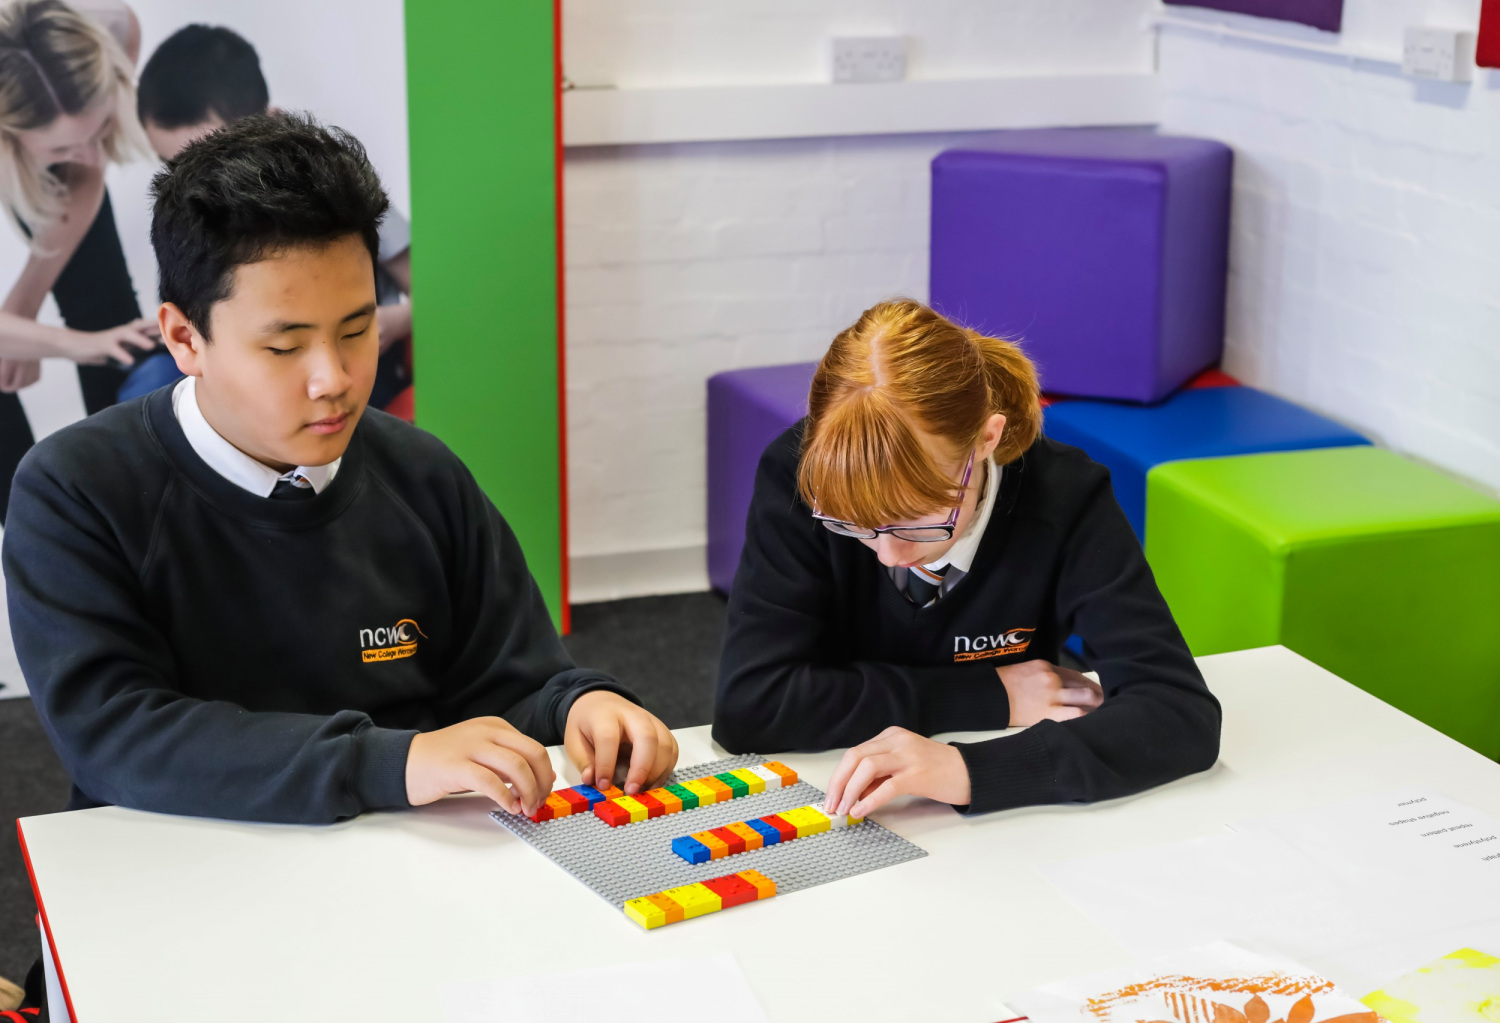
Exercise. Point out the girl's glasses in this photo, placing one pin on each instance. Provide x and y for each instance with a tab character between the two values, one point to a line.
915	534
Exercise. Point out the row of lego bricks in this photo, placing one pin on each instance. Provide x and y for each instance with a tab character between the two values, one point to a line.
699	898
772	829
688	795
615	808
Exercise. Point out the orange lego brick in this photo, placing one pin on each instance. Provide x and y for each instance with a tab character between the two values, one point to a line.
610	792
669	907
753	839
560	806
671	802
722	793
717	847
788	776
763	884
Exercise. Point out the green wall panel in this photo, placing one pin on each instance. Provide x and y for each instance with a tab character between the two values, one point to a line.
481	87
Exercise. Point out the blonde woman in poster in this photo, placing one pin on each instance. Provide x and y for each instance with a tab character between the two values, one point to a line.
67	109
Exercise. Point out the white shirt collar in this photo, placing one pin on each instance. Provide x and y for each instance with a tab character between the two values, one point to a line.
961	554
229	461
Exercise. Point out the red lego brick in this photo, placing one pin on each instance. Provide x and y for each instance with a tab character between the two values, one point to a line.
654	807
543	813
732	889
611	813
735	842
577	800
788	831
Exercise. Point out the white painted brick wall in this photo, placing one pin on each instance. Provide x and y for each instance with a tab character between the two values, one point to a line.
1365	260
685	260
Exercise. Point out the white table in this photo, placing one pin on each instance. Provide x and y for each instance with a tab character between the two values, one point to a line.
161	918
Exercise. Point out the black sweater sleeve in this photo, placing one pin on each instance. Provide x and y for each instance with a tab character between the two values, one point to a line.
510	662
777	689
1158	721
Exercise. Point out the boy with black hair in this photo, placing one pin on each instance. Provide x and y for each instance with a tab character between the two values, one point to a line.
248	595
203	77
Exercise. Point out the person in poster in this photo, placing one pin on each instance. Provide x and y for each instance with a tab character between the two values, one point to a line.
67	106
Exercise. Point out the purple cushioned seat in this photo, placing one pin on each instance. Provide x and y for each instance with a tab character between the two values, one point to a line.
1104	251
747	409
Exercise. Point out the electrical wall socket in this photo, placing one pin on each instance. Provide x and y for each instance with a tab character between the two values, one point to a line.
1438	54
869	59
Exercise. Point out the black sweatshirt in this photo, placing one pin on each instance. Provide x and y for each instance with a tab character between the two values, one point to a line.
823	651
194	648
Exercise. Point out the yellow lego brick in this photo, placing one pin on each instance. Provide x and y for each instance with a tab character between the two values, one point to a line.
765	774
645	912
636	810
753	839
756	783
807	820
705	794
695	900
717	847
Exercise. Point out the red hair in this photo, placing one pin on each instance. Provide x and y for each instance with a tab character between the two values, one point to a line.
901	372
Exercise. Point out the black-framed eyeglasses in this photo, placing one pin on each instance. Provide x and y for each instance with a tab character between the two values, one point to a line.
915	534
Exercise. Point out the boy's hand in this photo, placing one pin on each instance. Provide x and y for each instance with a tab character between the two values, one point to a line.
603	727
1040	690
484	755
897	762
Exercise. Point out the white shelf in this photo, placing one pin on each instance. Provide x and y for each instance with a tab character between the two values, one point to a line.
614	117
1320	45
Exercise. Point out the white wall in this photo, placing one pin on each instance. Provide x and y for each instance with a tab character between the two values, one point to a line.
344	60
684	260
1365	263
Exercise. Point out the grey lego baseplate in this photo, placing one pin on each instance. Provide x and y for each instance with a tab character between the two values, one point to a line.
637	859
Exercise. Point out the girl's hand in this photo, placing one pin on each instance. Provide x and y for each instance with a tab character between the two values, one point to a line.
92	347
897	762
1039	690
605	729
17	374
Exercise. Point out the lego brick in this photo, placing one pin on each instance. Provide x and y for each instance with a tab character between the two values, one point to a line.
588	792
622	863
706	796
771	778
735	843
577	800
788	776
667	799
788	830
669	906
692	850
806	820
645	912
695	900
543	813
636	810
722	793
688	796
611	813
752	837
732	890
768	834
736	785
764	886
610	792
755	782
654	807
717	847
560	806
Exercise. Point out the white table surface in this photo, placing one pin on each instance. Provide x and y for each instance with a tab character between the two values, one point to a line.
159	918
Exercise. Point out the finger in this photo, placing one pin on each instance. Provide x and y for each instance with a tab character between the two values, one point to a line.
872	801
580	754
641	731
870	770
666	755
486	783
139	338
847	763
513	768
1077	696
118	352
606	750
535	755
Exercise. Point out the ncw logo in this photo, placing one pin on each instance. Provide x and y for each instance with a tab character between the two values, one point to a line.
1002	644
390	643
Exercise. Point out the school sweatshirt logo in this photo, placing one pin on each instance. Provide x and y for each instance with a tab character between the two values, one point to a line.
390	643
1001	644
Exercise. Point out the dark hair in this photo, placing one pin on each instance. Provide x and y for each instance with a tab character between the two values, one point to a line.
262	184
198	71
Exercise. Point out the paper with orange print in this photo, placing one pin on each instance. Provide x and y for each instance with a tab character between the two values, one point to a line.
1215	983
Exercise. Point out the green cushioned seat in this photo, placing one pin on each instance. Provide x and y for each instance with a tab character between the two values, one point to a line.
1381	570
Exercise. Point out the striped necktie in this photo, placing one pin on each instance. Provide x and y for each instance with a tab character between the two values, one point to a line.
924	585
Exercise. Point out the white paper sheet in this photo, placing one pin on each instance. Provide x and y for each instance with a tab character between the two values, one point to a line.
1186	985
712	987
1400	874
